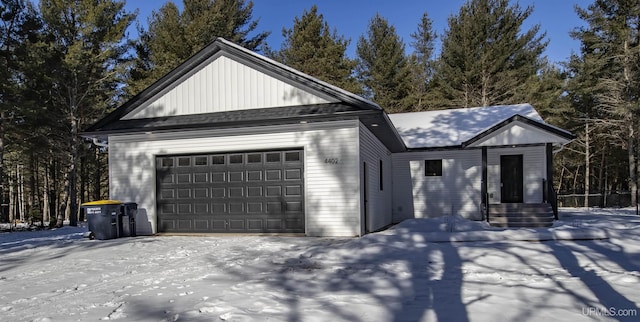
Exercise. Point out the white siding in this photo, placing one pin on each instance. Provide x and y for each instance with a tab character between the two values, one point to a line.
223	85
330	206
379	208
535	169
519	133
456	192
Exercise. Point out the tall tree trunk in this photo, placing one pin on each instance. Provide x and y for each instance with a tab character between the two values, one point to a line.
45	196
633	182
3	116
73	174
601	179
11	201
587	166
21	201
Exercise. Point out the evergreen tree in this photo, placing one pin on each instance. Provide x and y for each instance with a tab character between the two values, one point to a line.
421	64
382	66
19	26
486	59
87	46
173	36
607	75
310	46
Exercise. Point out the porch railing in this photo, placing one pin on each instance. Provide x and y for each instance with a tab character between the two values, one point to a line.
550	196
485	206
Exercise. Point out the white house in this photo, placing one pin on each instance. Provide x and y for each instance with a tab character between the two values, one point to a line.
231	141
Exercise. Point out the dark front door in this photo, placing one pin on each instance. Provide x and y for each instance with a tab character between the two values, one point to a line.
511	179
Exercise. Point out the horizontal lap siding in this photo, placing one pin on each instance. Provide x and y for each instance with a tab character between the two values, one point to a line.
534	166
372	151
331	209
456	192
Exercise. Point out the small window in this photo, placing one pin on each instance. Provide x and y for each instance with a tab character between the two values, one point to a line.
292	156
184	162
254	158
433	168
167	162
217	159
273	157
381	176
201	160
235	159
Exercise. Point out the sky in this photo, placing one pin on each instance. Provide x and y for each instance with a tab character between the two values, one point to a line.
351	17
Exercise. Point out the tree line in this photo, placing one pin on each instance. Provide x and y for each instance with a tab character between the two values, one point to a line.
64	64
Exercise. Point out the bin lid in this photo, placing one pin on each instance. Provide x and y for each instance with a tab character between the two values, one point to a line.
102	202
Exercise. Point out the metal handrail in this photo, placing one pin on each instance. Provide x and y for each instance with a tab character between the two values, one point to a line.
550	196
486	205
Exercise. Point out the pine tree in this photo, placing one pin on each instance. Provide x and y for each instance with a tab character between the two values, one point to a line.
420	64
173	36
87	40
607	75
486	59
19	26
310	46
382	66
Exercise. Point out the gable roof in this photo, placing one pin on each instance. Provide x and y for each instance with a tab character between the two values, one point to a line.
465	126
323	101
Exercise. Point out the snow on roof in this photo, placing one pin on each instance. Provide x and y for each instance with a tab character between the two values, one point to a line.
452	127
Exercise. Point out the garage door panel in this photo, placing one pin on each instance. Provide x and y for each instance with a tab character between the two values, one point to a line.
273	175
201	177
201	208
218	177
293	191
236	176
184	193
202	225
254	175
183	178
236	208
219	208
232	192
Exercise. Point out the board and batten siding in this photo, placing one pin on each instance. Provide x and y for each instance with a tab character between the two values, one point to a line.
330	187
456	192
534	171
220	86
379	206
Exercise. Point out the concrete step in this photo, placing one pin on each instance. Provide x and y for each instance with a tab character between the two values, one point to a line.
521	215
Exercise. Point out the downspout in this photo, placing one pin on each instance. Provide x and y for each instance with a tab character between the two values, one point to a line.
99	143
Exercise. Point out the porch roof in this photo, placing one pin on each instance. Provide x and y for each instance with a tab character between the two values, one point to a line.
478	126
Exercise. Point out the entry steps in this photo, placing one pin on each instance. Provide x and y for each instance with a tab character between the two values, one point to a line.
515	215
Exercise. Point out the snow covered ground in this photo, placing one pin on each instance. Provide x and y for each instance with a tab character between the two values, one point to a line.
585	268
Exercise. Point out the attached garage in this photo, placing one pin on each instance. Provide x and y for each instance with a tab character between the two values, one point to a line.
233	142
239	192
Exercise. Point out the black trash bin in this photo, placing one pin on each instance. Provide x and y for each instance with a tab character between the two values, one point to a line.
102	218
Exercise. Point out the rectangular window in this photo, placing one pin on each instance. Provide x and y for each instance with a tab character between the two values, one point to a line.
201	160
184	162
292	156
217	159
236	158
381	176
254	158
433	168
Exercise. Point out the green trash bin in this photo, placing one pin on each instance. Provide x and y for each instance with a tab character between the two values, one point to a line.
103	218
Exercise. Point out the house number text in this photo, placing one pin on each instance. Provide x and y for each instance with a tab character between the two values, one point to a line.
331	160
